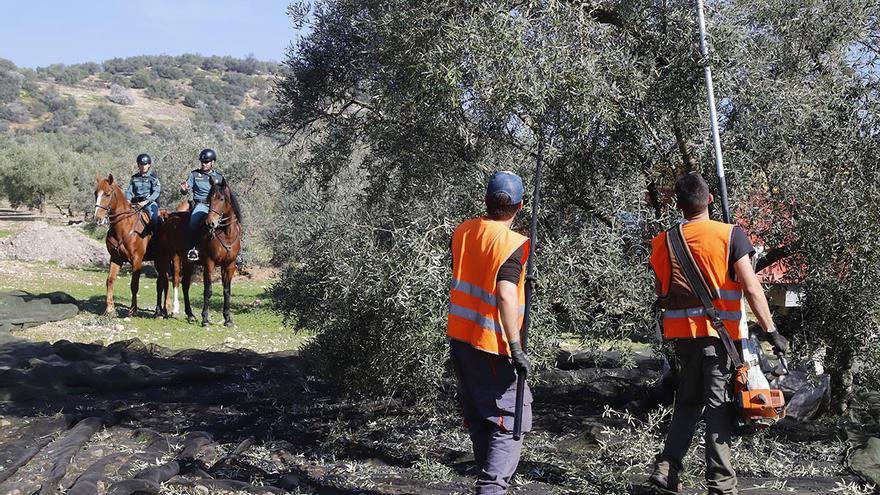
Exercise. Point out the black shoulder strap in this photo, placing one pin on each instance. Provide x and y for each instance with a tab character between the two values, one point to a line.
698	285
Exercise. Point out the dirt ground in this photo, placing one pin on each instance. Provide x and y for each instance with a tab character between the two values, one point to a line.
240	422
123	416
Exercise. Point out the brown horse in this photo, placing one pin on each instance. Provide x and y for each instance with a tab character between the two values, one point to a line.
169	253
127	237
219	244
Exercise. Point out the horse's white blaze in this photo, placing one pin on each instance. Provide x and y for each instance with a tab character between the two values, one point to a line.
175	307
98	203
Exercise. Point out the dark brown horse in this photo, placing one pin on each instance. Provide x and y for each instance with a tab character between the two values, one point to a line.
169	251
127	238
219	244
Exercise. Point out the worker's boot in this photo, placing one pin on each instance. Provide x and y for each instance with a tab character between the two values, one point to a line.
664	478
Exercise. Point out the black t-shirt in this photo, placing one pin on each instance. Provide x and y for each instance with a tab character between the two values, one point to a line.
740	246
512	268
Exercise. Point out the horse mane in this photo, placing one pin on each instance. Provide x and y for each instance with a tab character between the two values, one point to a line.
235	206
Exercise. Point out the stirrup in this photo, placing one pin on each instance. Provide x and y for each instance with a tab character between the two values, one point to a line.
193	255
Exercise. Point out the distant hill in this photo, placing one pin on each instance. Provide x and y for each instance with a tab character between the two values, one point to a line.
147	92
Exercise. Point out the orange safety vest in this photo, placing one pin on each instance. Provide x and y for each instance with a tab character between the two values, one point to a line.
683	315
479	247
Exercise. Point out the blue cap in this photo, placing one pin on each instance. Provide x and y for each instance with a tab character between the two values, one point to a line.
508	183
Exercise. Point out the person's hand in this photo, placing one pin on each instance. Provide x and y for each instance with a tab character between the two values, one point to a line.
520	360
142	203
779	343
184	186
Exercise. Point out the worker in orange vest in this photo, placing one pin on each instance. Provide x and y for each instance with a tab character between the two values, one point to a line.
486	304
722	253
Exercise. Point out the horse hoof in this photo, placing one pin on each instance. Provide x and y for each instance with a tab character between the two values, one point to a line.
190	319
228	323
110	313
205	324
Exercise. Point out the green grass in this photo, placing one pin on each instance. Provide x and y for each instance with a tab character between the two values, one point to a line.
256	326
5	233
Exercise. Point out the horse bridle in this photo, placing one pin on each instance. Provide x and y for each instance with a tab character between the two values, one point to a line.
113	218
221	223
109	202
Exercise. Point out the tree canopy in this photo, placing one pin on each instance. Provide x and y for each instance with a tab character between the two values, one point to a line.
404	108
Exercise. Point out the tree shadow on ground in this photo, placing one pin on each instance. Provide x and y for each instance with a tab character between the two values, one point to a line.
133	416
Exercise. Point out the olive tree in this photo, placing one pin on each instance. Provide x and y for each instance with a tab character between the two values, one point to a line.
401	110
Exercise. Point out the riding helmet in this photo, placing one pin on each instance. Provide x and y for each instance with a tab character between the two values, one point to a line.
144	159
207	155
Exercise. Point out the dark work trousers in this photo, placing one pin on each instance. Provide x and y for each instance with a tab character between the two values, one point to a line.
487	394
704	389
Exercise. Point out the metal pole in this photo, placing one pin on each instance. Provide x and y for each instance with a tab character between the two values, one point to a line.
530	276
716	138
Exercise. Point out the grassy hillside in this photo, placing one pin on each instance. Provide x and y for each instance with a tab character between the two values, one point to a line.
149	93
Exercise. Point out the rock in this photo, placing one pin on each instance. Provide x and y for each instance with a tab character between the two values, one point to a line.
865	461
118	327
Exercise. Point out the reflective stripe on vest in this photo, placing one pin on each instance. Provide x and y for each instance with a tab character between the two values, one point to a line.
479	248
484	322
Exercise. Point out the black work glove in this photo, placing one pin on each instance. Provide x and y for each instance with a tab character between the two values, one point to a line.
520	360
779	343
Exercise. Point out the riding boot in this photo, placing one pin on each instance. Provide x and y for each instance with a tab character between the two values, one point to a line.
193	253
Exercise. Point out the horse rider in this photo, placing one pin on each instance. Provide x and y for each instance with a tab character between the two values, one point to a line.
199	182
144	188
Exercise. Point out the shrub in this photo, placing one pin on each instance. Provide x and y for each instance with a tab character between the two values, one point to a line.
54	101
162	89
213	63
141	79
15	112
23	172
249	65
120	95
194	99
37	108
168	72
10	85
72	75
52	70
104	118
62	116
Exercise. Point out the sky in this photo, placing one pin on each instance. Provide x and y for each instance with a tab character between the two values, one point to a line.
35	33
